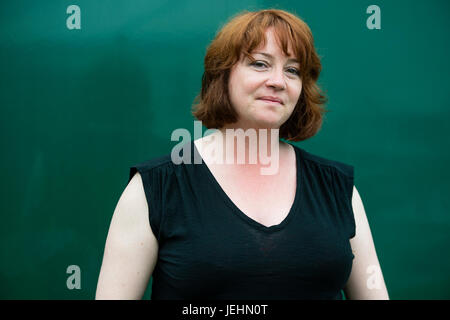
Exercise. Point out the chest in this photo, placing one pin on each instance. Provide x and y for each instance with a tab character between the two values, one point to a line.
306	259
266	199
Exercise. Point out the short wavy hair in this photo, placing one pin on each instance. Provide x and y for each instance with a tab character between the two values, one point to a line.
243	33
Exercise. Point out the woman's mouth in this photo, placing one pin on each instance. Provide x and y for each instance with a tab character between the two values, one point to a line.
271	99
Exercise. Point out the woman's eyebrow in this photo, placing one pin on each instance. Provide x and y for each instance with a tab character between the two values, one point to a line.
271	57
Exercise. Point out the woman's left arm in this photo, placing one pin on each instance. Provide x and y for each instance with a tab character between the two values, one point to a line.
366	280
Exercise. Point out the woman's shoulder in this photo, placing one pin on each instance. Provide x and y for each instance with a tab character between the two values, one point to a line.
156	166
325	162
160	161
172	159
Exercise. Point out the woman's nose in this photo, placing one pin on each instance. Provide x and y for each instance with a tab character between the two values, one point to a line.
276	79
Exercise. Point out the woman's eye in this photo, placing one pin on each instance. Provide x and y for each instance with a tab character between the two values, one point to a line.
294	71
258	64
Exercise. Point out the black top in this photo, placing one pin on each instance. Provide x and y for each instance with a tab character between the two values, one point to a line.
209	249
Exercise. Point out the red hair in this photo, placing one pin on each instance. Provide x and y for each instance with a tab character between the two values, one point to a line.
243	33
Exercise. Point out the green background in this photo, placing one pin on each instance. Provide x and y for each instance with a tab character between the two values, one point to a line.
79	107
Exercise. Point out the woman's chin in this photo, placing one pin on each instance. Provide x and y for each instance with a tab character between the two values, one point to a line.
267	123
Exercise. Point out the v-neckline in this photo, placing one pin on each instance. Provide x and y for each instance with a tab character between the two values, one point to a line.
292	211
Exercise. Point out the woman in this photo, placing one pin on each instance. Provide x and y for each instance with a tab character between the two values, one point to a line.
223	230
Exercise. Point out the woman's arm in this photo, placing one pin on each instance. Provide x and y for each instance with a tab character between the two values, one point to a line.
366	280
131	248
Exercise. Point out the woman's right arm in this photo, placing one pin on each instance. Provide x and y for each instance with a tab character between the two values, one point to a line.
131	248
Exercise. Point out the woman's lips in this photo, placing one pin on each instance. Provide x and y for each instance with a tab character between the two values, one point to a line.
270	101
271	98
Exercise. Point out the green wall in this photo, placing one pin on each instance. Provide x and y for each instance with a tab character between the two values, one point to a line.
80	106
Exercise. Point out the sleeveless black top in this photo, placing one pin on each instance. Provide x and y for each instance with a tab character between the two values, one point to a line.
209	249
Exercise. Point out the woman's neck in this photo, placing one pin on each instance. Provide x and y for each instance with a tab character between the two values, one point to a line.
250	149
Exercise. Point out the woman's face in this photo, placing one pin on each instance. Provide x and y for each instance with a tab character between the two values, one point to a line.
252	86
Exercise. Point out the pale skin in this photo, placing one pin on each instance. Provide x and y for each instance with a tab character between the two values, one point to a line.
366	267
131	248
